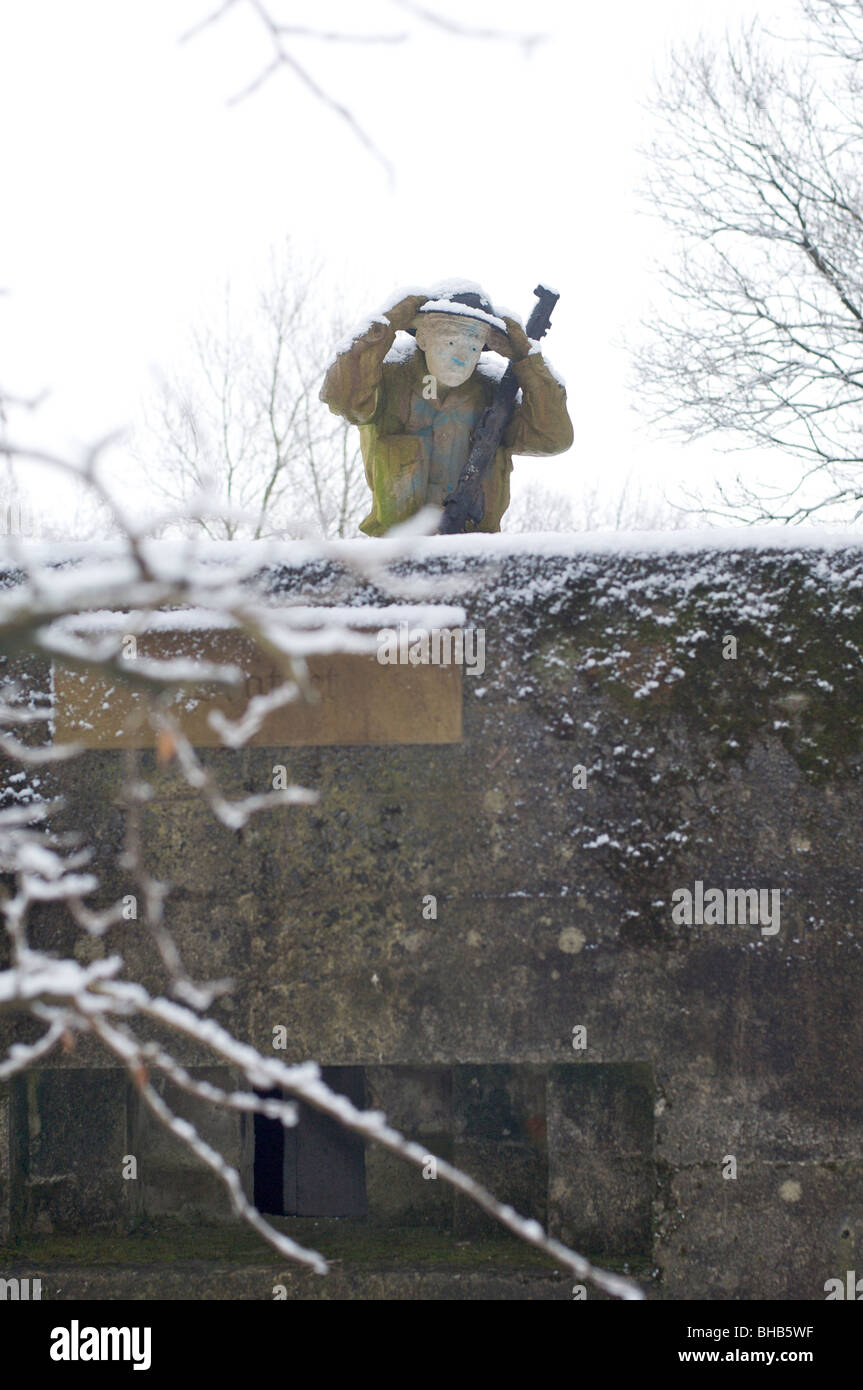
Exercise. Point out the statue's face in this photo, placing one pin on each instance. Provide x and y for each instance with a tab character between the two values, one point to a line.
452	344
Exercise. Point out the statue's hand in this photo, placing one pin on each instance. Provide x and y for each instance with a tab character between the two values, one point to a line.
402	314
519	342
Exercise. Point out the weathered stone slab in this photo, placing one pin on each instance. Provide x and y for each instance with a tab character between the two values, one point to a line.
170	1181
71	1145
417	1101
500	1133
359	700
601	1168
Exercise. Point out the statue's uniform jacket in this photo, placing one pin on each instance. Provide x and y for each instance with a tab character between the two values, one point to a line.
414	449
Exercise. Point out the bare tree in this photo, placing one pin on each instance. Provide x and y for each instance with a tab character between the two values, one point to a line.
243	422
757	172
282	32
540	508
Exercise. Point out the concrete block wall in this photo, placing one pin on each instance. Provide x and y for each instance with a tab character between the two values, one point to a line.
702	1043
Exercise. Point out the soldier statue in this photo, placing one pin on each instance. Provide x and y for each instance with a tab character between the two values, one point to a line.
418	398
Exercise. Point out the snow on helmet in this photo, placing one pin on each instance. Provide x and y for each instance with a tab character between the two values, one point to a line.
465	297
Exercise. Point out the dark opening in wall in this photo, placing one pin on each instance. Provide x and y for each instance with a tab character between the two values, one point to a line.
317	1167
269	1161
570	1145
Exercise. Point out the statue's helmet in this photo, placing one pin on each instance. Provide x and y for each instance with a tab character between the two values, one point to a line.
467	299
455	325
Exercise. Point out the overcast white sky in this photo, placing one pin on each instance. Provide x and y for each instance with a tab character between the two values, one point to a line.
131	190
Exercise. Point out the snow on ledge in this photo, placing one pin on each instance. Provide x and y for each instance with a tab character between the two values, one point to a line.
303	617
16	552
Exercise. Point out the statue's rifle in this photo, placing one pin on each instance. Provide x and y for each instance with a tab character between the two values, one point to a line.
465	503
